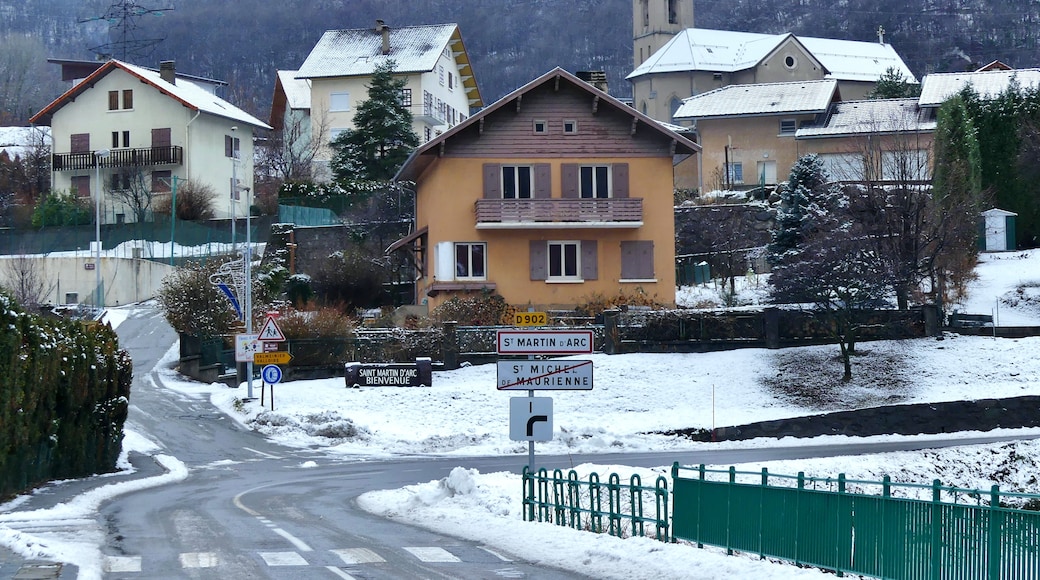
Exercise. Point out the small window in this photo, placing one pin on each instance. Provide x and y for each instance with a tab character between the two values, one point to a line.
540	128
335	132
736	173
594	181
517	182
162	181
113	100
787	126
470	261
406	97
339	102
231	147
128	99
126	138
716	76
81	185
115	139
564	260
570	127
71	298
451	81
440	73
790	61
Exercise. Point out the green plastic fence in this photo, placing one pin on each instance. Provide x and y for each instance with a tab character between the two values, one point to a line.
953	534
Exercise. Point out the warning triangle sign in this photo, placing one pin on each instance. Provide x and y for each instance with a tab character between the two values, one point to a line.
270	331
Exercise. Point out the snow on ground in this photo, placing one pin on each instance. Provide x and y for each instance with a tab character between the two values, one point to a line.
634	397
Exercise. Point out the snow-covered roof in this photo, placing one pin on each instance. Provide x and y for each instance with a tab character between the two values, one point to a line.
700	49
414	49
297	91
937	87
17	141
185	91
760	99
873	116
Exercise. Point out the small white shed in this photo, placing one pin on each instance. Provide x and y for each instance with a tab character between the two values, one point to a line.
997	231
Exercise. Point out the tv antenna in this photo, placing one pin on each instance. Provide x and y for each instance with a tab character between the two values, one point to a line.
122	18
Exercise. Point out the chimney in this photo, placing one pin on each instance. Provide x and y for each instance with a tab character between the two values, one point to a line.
383	29
596	78
168	71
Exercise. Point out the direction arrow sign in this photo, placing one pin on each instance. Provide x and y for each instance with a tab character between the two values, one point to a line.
530	419
272	358
559	342
540	375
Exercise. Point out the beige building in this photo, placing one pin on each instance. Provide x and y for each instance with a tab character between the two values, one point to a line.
554	194
137	130
440	89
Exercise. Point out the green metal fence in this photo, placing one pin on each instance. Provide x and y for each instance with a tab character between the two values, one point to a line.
909	531
612	507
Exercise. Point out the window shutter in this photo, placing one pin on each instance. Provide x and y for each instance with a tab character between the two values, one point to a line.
539	258
444	262
620	180
637	260
113	100
128	98
542	181
589	266
228	152
161	137
569	180
492	181
80	142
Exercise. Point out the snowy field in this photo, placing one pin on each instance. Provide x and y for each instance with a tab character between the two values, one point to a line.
634	398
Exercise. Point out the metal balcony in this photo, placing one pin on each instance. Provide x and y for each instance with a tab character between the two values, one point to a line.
559	213
118	158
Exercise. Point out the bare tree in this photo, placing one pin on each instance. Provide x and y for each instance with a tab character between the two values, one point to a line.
26	84
133	190
194	201
27	279
288	153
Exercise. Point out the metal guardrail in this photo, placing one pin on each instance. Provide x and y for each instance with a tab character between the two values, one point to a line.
570	501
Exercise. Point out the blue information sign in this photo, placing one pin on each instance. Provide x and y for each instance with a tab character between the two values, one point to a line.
271	374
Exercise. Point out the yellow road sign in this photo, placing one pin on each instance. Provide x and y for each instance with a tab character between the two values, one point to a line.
530	319
272	358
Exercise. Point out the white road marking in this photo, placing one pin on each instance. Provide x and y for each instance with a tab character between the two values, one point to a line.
351	556
198	560
339	573
433	554
122	563
283	559
300	545
495	554
261	453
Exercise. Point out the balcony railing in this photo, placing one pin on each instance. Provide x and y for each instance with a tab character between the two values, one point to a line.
143	157
557	213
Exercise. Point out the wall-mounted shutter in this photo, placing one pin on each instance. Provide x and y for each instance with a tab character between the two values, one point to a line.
620	180
80	142
161	137
589	260
492	181
229	149
539	260
444	262
569	180
542	181
637	260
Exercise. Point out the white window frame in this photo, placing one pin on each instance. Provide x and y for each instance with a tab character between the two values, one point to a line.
565	262
335	132
339	101
597	174
517	170
735	172
464	263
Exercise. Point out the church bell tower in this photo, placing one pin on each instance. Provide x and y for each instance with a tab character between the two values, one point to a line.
654	23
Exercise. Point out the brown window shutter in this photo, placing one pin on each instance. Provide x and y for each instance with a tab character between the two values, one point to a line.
228	152
492	181
113	100
569	180
539	266
81	185
161	137
589	263
620	180
128	99
542	181
637	260
80	142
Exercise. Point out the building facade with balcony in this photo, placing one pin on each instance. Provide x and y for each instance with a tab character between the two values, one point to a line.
553	194
140	131
440	89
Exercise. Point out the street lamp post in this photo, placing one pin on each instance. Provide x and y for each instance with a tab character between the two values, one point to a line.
99	296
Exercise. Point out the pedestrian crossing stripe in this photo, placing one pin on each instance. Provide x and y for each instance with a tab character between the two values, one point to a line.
353	556
349	556
198	560
433	554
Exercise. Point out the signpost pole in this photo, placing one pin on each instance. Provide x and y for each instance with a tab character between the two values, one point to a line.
530	444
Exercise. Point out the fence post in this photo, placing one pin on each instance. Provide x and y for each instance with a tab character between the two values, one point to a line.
996	525
761	513
842	530
528	494
450	347
635	497
798	520
729	509
936	555
611	336
771	320
661	498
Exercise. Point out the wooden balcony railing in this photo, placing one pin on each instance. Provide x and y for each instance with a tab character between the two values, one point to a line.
556	212
143	157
